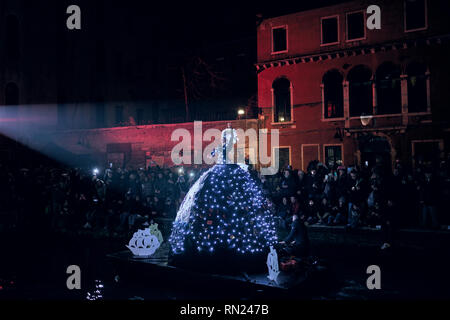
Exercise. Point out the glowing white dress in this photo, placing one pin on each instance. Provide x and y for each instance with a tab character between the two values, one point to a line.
217	183
229	136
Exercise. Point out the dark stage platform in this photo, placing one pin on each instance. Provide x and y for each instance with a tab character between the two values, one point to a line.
158	265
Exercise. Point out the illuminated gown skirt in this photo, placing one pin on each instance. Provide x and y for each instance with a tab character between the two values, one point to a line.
224	223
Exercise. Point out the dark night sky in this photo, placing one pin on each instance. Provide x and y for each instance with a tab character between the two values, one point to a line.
154	41
201	23
202	29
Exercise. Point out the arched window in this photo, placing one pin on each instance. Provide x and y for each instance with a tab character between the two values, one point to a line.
389	90
333	95
417	87
11	94
282	100
12	37
360	91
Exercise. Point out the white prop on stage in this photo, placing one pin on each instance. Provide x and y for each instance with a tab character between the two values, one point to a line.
143	243
155	231
272	264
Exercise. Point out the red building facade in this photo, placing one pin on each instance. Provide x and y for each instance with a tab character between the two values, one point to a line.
341	93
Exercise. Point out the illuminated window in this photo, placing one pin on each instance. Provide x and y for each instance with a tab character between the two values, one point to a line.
333	95
333	156
284	157
282	100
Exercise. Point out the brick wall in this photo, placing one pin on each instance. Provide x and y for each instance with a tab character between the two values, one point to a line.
138	144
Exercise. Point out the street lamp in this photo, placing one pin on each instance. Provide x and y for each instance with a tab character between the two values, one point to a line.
240	113
365	120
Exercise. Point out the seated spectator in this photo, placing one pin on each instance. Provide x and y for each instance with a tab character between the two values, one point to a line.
100	189
311	211
287	186
373	218
284	208
182	184
147	205
312	182
295	206
373	196
338	214
91	215
147	187
123	220
158	207
283	212
388	224
169	209
300	185
265	185
341	182
324	211
110	219
329	187
297	239
354	217
134	220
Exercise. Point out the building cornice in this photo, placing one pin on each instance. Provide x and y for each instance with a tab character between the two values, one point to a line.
354	51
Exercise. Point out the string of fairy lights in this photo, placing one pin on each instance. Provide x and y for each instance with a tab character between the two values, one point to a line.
229	212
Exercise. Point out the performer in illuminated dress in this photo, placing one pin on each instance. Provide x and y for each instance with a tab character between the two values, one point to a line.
225	213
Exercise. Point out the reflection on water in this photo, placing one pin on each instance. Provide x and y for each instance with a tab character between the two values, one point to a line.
97	293
41	273
6	284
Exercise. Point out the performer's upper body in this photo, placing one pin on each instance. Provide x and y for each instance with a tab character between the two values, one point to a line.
298	235
229	135
229	139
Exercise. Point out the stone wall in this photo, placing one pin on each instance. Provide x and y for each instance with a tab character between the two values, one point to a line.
134	145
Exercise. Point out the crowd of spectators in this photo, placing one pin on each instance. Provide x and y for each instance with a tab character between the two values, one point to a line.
115	200
354	197
112	200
